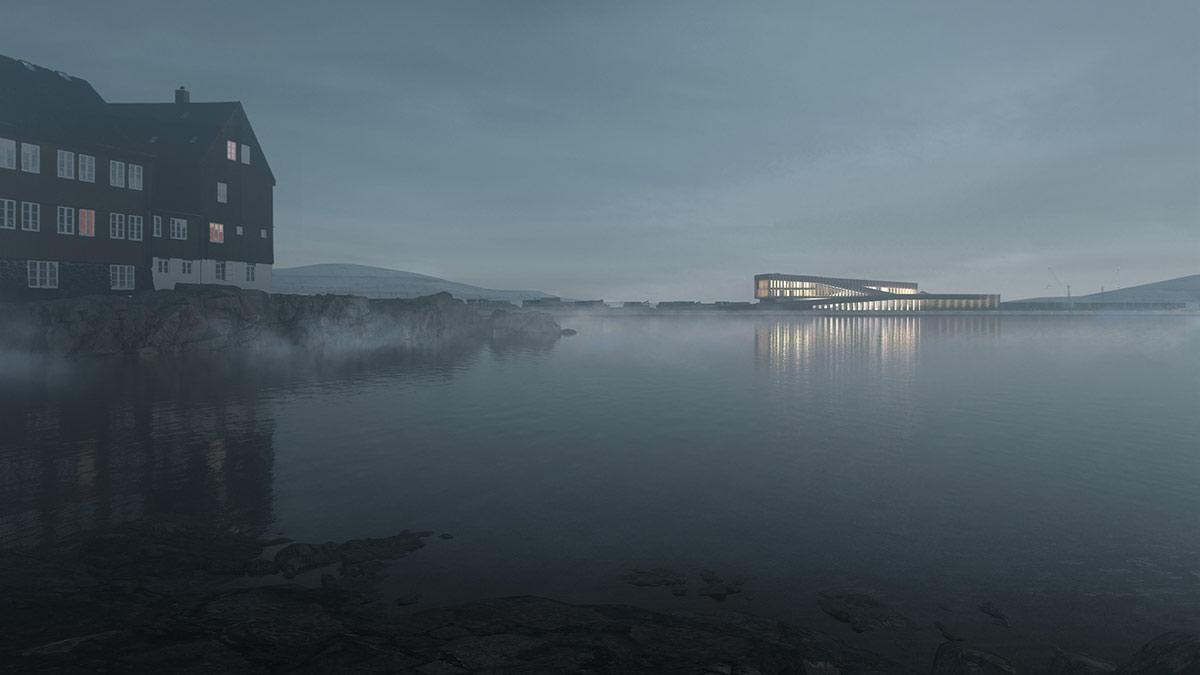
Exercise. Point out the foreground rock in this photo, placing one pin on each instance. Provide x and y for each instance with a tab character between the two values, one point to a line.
953	658
1169	654
215	318
182	597
862	612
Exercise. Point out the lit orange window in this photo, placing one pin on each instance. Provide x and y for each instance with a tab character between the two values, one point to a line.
231	150
87	223
216	233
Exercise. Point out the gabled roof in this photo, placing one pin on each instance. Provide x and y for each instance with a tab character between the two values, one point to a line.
181	132
53	105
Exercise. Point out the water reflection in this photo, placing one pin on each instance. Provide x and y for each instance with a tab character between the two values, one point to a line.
101	444
878	343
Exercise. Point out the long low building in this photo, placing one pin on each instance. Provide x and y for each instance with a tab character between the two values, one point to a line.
866	295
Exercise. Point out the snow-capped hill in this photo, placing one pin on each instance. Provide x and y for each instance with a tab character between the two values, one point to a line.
380	282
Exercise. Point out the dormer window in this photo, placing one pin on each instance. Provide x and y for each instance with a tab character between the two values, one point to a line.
231	151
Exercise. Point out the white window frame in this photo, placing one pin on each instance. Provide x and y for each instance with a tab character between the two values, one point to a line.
31	216
245	154
216	233
136	229
186	267
262	233
222	193
157	226
122	277
250	273
116	173
136	174
116	226
231	150
219	270
179	228
8	154
87	168
31	158
90	222
239	230
163	265
66	164
41	273
66	220
8	214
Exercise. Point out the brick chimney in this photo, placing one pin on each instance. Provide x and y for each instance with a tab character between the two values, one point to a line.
182	95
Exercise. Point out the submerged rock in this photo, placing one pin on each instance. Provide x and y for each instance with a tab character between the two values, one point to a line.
952	658
947	632
296	558
657	576
862	612
998	617
1168	654
1066	663
717	587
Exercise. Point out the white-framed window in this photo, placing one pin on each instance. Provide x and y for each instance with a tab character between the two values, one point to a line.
66	220
164	265
135	176
31	158
116	173
135	228
157	226
239	230
231	151
187	266
245	154
66	164
249	271
31	216
42	273
178	228
219	270
87	223
87	168
222	193
262	233
121	277
116	226
8	154
216	233
8	214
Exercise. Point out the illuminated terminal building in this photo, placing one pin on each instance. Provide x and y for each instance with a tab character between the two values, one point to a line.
830	293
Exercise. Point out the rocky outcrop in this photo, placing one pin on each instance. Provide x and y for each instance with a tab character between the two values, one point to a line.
207	319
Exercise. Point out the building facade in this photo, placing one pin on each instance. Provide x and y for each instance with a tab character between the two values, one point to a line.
97	197
861	295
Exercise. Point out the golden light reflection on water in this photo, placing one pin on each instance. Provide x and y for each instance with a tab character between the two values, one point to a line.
887	343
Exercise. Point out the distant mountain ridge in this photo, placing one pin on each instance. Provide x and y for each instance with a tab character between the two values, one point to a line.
381	282
1182	289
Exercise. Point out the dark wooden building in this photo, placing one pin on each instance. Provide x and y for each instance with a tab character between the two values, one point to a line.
102	197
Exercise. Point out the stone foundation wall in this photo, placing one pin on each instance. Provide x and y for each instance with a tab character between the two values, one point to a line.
74	279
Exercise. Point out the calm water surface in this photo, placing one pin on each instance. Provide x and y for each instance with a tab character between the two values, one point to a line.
1049	465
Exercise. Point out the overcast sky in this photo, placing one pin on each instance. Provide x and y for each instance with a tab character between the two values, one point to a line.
629	150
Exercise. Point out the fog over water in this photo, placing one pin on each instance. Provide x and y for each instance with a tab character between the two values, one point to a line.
1046	464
